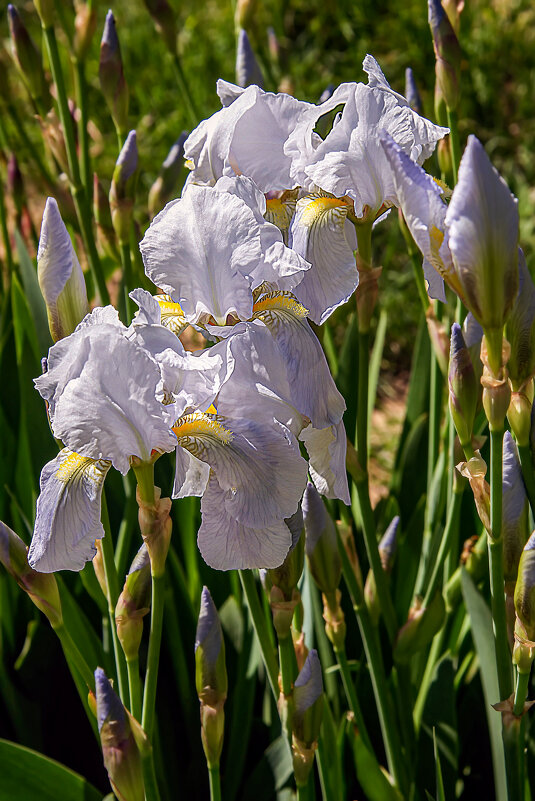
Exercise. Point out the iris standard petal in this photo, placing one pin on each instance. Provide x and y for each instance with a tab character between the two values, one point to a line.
258	467
68	513
226	544
319	232
107	408
199	249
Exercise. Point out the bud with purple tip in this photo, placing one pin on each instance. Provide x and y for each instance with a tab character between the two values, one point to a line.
165	184
29	60
307	715
122	188
447	53
210	678
247	68
412	94
524	649
119	748
111	74
133	604
463	389
387	551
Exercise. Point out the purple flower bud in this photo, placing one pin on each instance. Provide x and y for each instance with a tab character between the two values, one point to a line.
520	328
525	590
111	74
247	69
119	749
165	184
211	676
133	603
412	94
514	512
308	700
122	188
28	59
463	389
326	94
447	53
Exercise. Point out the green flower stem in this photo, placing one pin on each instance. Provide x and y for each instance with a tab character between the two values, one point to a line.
521	692
71	652
435	414
419	277
153	658
303	792
454	144
288	673
22	137
79	195
193	115
377	673
83	136
125	304
126	529
495	549
362	399
149	777
134	687
425	683
448	537
5	234
351	695
370	539
215	782
260	626
526	462
112	584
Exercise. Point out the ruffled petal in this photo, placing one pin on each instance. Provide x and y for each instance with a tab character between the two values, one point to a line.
318	233
191	475
226	544
68	513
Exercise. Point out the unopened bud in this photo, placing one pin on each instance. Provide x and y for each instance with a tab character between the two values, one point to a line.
387	550
514	513
447	53
133	604
85	25
119	748
164	20
519	413
28	59
307	715
155	525
520	328
288	574
247	68
111	74
165	184
42	588
333	615
421	626
412	94
101	210
59	274
321	542
525	590
52	134
463	389
210	678
444	156
122	188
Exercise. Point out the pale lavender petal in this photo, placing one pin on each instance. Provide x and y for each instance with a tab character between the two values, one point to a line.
327	453
68	513
520	327
308	685
226	544
191	475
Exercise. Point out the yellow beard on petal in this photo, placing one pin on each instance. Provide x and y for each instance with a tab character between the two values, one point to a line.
74	465
172	316
198	425
279	301
321	205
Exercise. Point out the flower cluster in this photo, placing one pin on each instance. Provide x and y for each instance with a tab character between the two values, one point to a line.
263	237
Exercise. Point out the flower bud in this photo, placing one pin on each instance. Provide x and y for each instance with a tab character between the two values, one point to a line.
28	59
444	157
85	25
525	590
412	94
307	714
59	274
463	389
52	134
321	542
447	53
421	626
519	413
288	574
247	68
520	328
111	74
119	748
42	588
164	20
210	678
165	184
155	526
514	513
122	188
387	550
133	604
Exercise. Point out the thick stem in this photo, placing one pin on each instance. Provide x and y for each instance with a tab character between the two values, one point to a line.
521	692
495	548
351	695
153	657
260	626
377	673
112	585
134	687
215	783
448	537
149	777
454	144
125	304
83	135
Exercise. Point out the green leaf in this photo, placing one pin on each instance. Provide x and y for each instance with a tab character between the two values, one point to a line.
440	784
328	758
483	636
33	294
29	776
375	365
373	780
